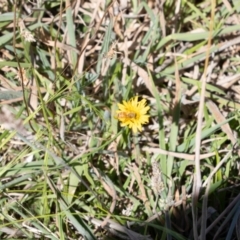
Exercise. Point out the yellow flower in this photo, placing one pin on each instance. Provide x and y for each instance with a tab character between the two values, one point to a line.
133	114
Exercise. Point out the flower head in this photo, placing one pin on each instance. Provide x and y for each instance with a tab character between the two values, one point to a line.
133	114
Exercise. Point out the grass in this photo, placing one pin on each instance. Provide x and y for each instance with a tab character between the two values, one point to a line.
68	170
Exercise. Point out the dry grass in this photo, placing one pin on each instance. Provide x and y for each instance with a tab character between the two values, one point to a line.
68	170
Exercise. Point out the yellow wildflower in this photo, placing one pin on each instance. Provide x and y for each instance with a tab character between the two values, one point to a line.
133	114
